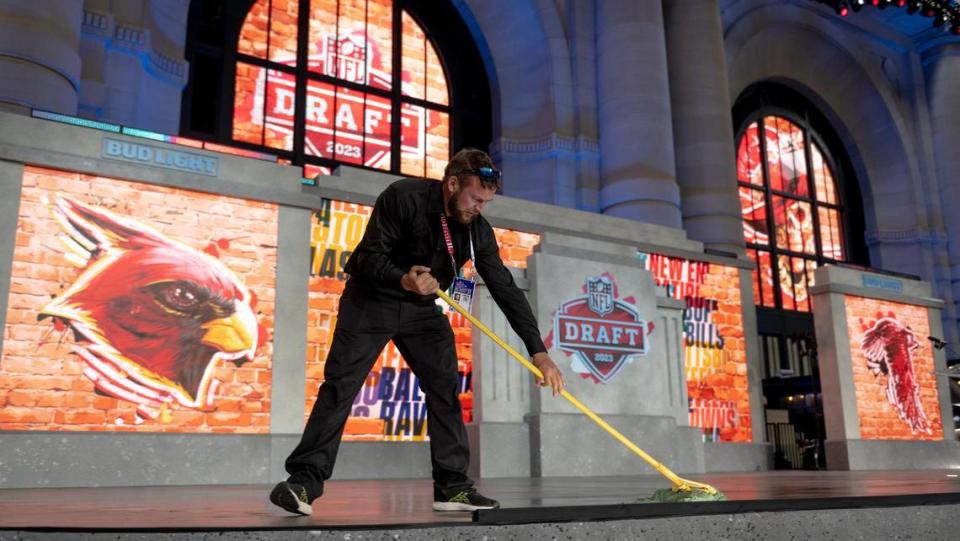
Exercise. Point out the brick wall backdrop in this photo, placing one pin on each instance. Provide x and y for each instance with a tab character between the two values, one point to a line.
335	233
879	419
41	382
729	381
717	384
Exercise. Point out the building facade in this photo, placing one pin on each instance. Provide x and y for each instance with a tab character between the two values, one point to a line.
694	146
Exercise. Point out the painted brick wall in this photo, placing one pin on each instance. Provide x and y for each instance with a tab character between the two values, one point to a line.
42	386
879	419
331	243
716	374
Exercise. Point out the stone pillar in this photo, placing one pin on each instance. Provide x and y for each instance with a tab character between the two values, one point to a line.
645	395
864	429
39	60
702	123
499	436
637	172
943	93
133	66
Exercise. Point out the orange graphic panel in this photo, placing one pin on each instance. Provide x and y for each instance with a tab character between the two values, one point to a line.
786	160
892	361
786	213
258	120
753	208
390	406
714	351
138	307
749	165
349	40
270	30
823	178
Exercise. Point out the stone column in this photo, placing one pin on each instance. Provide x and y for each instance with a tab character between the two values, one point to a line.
943	93
39	60
133	66
702	123
637	172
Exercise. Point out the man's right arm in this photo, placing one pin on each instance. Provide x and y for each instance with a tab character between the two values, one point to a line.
383	231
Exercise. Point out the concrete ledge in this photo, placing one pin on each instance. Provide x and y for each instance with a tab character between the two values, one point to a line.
870	293
912	522
892	455
564	444
84	459
730	457
499	450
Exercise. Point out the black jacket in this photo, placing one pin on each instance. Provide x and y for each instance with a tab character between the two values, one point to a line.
404	230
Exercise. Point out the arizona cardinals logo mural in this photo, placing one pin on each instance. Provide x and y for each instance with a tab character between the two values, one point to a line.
888	346
151	317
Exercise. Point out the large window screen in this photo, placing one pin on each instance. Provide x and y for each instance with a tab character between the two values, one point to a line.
792	217
361	104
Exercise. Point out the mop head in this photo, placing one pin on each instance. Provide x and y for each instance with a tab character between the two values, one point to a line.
669	495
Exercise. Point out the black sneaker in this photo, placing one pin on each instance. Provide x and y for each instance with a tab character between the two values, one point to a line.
291	497
466	500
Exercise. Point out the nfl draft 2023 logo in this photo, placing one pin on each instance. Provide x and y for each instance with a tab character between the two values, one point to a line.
599	331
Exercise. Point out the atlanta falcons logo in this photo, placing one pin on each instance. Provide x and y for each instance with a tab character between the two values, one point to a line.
151	317
888	346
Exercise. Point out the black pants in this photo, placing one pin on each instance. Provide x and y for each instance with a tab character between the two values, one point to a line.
423	336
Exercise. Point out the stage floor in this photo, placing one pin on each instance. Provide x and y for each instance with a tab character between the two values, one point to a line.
407	503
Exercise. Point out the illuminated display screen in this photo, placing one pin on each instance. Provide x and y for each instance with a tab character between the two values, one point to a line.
713	346
350	41
135	307
389	406
892	363
786	208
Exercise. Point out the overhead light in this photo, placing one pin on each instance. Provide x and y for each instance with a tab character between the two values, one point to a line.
945	13
841	7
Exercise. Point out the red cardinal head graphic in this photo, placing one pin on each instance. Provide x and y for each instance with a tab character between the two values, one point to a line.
888	346
152	317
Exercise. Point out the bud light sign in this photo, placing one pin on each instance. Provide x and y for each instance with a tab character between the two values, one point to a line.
600	331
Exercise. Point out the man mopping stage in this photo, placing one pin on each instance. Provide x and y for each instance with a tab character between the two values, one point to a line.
419	236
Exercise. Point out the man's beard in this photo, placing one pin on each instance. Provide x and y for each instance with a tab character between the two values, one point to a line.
464	218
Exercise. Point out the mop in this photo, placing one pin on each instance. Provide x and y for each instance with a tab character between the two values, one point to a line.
683	490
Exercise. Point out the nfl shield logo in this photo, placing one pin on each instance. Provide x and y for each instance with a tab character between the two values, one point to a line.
600	295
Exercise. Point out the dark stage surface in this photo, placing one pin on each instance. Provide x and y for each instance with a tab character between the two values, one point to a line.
405	503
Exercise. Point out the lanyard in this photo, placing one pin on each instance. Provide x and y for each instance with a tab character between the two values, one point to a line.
449	241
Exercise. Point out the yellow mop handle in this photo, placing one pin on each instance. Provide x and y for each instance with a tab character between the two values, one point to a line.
679	484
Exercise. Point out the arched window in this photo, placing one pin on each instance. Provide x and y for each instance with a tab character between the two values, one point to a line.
353	90
327	82
801	208
792	211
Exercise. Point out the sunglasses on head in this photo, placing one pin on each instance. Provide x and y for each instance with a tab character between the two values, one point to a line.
487	174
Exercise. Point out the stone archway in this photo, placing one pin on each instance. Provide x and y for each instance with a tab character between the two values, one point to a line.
528	61
867	87
859	102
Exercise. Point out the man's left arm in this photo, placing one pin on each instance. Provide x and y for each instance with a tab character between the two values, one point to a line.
513	303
